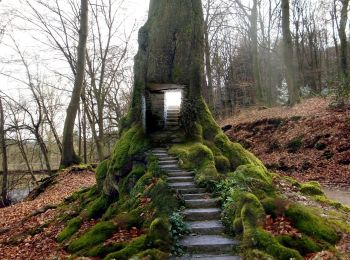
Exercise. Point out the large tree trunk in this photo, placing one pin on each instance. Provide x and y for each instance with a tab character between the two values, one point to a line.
69	156
4	187
288	55
343	39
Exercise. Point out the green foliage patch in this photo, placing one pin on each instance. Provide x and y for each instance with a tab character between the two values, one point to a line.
96	235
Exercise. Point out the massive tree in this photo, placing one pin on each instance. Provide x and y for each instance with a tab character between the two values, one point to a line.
131	188
69	156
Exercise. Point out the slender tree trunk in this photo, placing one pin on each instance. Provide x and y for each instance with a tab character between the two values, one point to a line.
4	185
288	55
69	156
44	151
84	135
255	53
343	39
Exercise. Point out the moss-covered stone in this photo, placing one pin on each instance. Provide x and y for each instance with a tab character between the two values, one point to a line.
222	164
266	242
235	152
198	157
311	188
159	234
152	254
134	247
94	236
102	250
101	173
96	208
131	143
72	227
311	224
304	245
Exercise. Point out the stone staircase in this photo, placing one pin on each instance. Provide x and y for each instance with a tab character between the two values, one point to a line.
202	214
172	118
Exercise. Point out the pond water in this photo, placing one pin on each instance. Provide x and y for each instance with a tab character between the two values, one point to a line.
17	195
341	195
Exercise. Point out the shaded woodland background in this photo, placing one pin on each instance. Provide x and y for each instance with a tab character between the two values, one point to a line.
244	65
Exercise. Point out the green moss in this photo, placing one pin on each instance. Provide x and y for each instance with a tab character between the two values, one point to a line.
255	254
253	178
127	220
159	234
72	227
153	254
210	127
222	164
96	235
162	198
130	181
198	157
101	173
96	208
103	250
252	215
311	224
304	245
131	143
235	152
311	188
266	242
335	204
275	206
292	181
134	247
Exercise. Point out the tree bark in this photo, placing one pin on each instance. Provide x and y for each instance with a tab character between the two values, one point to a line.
288	55
255	53
4	186
343	39
69	156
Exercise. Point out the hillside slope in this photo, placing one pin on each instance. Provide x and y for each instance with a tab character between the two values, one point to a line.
307	142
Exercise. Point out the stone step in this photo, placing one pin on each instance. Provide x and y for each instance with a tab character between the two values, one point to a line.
166	167
172	124
207	257
162	150
196	196
185	191
167	162
180	179
211	227
202	214
166	158
214	244
179	174
182	185
202	203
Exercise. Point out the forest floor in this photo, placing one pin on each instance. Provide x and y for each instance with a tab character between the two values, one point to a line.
308	142
24	229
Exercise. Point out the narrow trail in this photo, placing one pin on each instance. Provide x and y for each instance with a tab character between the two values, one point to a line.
202	214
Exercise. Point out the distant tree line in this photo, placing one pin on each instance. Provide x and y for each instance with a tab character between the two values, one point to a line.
256	48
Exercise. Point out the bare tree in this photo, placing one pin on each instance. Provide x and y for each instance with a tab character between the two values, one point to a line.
343	40
69	156
4	185
288	55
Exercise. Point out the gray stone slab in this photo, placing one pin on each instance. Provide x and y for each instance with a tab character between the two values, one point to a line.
201	203
216	244
181	185
202	214
207	257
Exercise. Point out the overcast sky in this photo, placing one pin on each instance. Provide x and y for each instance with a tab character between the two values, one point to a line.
135	11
